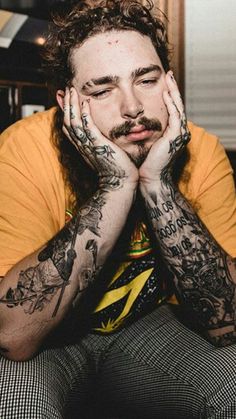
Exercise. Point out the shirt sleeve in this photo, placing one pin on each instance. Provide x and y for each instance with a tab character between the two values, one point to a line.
30	193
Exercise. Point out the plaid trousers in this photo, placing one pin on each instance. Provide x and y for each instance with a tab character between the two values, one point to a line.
154	368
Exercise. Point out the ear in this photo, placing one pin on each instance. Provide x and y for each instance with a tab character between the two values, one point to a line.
60	98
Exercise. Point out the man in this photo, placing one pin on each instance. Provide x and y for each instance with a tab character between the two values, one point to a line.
150	211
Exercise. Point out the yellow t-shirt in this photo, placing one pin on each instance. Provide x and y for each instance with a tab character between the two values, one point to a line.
34	201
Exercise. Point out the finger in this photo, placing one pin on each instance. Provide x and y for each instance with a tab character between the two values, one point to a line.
68	129
82	149
174	92
66	109
104	151
69	134
66	121
174	115
175	95
75	113
75	117
69	111
178	135
79	130
177	132
89	126
184	129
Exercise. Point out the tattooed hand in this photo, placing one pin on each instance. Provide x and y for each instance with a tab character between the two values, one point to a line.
113	166
164	151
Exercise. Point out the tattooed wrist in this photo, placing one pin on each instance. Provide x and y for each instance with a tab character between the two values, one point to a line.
111	182
224	339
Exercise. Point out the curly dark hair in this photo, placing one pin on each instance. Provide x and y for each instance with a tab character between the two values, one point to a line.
71	26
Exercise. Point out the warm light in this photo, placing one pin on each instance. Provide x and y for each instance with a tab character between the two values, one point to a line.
40	40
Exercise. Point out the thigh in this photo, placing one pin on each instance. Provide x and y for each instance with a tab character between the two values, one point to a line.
44	386
158	368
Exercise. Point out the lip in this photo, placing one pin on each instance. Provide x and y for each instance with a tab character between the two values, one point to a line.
139	134
139	128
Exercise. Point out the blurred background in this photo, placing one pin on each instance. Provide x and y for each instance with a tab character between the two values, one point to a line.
201	33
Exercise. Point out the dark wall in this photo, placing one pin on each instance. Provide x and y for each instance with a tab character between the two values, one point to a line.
35	8
232	158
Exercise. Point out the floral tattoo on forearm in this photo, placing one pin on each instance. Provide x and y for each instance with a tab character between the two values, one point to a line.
37	285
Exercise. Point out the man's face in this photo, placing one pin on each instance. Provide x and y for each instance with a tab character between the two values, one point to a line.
122	75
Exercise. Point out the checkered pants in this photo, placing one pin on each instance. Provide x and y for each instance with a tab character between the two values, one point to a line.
155	368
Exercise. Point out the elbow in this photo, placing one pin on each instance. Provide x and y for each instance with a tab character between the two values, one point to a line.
17	351
18	356
221	337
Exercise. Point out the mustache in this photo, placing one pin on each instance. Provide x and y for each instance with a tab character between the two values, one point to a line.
124	129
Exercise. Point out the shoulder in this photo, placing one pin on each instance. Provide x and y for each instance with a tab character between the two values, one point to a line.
29	139
202	141
207	163
206	152
37	127
27	148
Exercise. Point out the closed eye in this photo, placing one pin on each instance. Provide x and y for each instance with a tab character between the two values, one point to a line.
148	81
101	93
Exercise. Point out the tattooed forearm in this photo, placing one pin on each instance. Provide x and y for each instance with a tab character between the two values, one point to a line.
38	285
204	275
88	273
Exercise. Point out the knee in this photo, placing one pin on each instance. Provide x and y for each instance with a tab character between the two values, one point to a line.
26	392
216	377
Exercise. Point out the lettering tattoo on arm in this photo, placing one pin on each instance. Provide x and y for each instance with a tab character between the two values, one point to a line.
203	273
200	267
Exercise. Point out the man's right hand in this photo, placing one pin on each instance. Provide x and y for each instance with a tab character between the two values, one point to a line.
39	290
112	164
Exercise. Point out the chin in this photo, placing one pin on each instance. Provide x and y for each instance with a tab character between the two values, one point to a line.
139	155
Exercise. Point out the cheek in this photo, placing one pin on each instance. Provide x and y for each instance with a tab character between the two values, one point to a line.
164	116
101	118
156	108
162	112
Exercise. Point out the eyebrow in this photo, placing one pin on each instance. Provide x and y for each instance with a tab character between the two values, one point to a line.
144	70
99	82
141	71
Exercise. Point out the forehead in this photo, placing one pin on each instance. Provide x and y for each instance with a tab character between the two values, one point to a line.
113	53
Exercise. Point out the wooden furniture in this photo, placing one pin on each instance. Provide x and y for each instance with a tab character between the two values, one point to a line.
14	94
174	11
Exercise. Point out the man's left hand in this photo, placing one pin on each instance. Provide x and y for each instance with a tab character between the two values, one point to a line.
165	150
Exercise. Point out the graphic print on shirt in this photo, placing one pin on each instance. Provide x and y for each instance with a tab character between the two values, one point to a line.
137	286
134	290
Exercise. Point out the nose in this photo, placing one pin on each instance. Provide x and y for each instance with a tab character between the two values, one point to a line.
131	106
